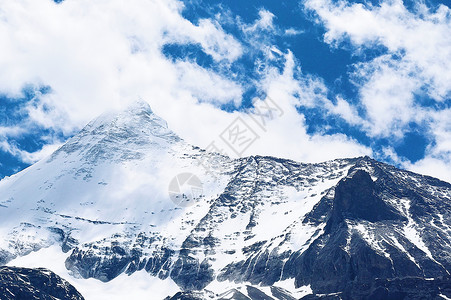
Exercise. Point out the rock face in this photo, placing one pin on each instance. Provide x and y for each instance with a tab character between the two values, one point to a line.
22	283
414	288
261	228
245	292
356	199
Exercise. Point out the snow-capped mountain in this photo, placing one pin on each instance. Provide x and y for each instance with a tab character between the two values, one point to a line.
103	206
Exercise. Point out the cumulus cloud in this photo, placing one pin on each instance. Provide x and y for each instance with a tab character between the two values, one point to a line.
96	55
220	91
437	160
409	81
387	92
418	58
103	54
210	35
286	134
85	51
433	167
11	131
26	156
264	22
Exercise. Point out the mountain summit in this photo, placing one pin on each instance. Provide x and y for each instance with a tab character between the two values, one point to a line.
123	135
257	228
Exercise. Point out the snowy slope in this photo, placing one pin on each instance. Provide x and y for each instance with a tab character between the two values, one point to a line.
112	177
100	207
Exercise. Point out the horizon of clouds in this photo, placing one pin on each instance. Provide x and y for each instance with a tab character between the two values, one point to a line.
103	55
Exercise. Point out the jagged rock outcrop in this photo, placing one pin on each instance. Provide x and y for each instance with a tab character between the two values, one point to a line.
408	288
23	283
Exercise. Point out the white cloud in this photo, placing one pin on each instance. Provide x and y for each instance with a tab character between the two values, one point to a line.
415	64
45	151
293	32
283	136
437	160
82	49
265	22
431	166
102	54
210	36
344	110
28	157
387	94
11	131
419	59
196	79
287	135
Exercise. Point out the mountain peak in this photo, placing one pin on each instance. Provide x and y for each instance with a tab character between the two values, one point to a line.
122	133
138	111
140	105
137	108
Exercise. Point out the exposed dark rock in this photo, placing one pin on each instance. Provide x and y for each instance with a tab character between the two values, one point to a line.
67	242
408	288
88	264
281	294
356	199
341	257
186	296
256	294
23	283
233	294
190	274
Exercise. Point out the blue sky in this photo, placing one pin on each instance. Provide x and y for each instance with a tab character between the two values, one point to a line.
352	77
